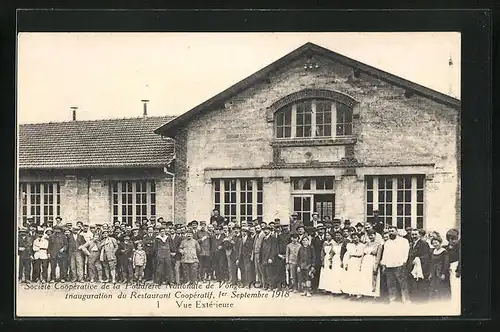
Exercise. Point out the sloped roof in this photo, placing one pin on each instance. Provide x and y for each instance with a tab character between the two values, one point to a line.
110	143
168	129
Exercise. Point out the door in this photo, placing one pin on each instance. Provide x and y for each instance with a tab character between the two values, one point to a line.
324	204
302	204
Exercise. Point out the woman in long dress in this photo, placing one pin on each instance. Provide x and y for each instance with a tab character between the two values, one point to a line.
326	276
370	271
439	288
352	277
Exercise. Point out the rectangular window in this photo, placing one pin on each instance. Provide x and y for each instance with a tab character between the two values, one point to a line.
284	123
317	183
238	198
133	200
344	120
323	119
41	200
398	199
304	119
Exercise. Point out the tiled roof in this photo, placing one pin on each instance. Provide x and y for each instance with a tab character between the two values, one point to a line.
170	128
128	142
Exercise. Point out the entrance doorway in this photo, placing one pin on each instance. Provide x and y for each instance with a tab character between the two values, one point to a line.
305	205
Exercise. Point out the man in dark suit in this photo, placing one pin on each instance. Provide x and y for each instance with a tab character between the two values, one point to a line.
58	246
419	248
244	261
175	240
268	256
283	237
75	241
234	255
219	255
317	244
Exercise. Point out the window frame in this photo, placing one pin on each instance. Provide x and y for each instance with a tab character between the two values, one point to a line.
132	208
416	197
313	103
219	195
28	191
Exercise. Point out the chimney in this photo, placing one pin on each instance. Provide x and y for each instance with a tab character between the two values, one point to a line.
145	103
74	108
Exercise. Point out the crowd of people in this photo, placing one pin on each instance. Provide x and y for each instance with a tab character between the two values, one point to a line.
365	260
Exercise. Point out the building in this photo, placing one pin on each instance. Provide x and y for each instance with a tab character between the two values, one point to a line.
317	131
314	131
95	171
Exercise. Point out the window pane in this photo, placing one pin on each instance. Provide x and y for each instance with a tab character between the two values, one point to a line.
369	196
288	132
400	222
369	209
279	132
420	222
369	182
420	195
420	181
420	209
407	195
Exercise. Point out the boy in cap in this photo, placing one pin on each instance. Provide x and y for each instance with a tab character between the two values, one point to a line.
58	247
25	252
139	261
292	250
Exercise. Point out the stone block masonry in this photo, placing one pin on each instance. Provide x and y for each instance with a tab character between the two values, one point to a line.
391	130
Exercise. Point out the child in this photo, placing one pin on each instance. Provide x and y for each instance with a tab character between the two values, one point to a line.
292	250
139	262
305	261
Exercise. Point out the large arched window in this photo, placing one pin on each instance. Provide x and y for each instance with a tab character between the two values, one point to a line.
311	118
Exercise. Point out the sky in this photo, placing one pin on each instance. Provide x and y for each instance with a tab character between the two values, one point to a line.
106	75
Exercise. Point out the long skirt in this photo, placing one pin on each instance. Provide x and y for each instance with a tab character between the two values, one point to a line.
330	279
352	278
454	284
369	283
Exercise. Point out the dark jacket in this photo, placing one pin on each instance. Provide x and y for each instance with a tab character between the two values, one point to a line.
56	243
74	245
268	249
175	243
148	242
317	244
245	249
204	244
454	254
27	244
162	248
126	250
306	257
283	241
422	250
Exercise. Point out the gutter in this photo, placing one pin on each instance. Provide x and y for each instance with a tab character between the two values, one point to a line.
165	170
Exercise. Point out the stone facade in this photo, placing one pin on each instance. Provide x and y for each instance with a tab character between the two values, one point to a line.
395	133
86	194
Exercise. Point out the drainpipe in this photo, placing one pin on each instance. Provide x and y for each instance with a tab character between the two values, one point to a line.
173	191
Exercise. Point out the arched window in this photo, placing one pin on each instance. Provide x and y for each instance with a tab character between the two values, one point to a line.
313	118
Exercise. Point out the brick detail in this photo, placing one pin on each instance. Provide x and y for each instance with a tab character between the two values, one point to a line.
307	94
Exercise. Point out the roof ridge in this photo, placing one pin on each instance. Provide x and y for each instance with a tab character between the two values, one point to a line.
99	120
